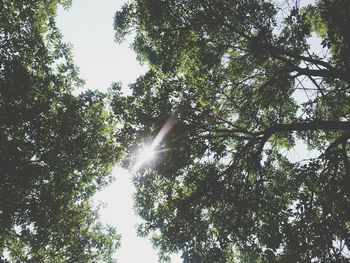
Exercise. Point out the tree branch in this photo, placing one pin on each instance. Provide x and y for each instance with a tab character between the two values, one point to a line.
315	125
306	126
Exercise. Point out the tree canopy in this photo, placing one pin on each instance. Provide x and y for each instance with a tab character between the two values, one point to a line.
246	87
56	148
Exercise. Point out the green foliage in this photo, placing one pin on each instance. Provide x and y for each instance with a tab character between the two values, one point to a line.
244	86
56	148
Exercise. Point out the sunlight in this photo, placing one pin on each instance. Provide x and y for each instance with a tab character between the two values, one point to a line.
145	155
148	152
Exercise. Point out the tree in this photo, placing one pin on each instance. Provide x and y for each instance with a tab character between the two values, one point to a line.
245	87
56	148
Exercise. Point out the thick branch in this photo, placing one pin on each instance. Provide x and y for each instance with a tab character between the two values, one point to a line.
315	125
287	55
306	126
340	140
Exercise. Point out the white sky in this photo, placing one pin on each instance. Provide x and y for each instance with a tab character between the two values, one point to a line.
88	26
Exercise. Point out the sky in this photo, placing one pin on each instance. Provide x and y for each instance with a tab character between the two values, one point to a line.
88	26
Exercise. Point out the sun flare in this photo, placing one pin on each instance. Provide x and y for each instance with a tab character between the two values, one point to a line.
146	154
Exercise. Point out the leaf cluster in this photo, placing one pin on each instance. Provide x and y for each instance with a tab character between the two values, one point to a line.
56	148
245	87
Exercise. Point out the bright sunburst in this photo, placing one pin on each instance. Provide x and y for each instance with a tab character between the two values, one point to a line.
145	155
148	152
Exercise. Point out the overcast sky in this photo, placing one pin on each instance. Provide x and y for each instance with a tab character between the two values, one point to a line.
88	26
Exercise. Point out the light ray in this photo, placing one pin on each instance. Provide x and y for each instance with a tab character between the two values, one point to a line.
148	153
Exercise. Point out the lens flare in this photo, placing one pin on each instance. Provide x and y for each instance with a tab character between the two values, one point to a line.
148	152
